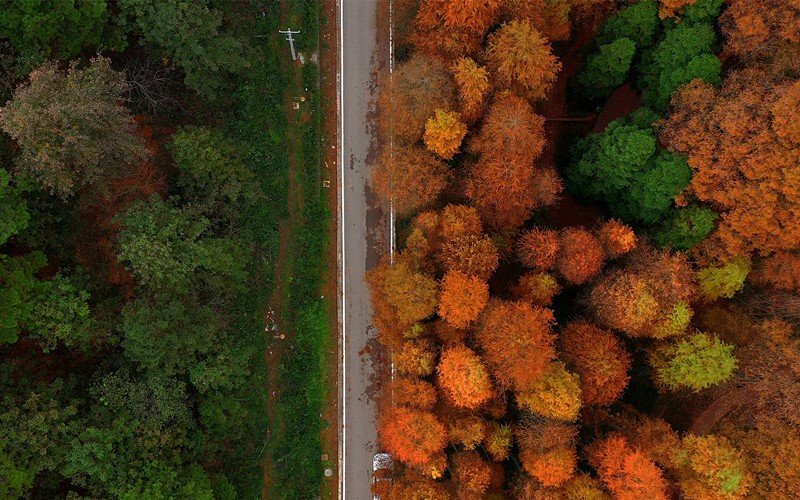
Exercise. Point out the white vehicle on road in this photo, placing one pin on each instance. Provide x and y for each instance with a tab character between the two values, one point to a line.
382	472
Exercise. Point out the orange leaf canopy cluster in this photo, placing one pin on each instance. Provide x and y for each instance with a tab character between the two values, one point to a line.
462	298
517	342
410	177
745	158
444	132
412	436
521	56
463	377
600	360
626	471
473	87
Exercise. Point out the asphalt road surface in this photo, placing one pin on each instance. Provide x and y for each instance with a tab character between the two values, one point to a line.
361	236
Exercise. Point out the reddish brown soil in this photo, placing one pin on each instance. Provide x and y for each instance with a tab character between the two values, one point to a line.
622	102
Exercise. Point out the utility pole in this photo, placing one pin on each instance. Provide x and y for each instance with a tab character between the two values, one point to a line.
289	34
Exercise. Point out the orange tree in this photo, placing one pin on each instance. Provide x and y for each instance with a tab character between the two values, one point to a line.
410	177
463	377
462	298
412	436
517	342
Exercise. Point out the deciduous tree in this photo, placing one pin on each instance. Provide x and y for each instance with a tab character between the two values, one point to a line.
625	471
617	238
538	288
695	363
410	177
413	392
416	357
413	436
471	255
70	127
517	342
462	298
410	95
463	377
473	87
580	255
599	358
468	431
520	55
451	28
444	132
511	131
499	441
471	472
556	394
538	248
741	166
711	467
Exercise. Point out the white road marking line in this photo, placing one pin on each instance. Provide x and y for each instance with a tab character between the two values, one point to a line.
343	295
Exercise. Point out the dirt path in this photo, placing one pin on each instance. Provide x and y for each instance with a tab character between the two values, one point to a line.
274	311
720	407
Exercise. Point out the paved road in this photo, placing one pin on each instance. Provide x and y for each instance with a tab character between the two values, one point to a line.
360	244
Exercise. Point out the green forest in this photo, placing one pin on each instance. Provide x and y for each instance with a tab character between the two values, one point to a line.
143	204
595	293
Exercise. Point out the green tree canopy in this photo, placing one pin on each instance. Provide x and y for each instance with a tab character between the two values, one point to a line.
40	29
193	35
211	174
685	53
607	68
14	216
61	313
695	362
35	431
19	288
169	250
624	168
71	129
687	227
638	22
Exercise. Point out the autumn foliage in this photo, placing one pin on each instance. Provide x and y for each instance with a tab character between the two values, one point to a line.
462	298
517	342
538	248
473	86
410	177
627	473
599	358
444	132
412	436
520	55
471	472
463	377
580	255
413	392
617	238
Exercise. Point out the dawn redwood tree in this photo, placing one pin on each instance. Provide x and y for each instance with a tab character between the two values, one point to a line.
626	471
723	280
463	377
547	449
580	255
451	28
471	255
467	431
556	394
498	441
518	54
600	360
459	220
780	270
550	17
763	33
743	164
413	436
409	97
413	486
471	472
444	132
462	298
711	467
649	296
413	392
510	131
617	238
537	288
695	362
538	248
517	342
71	130
416	357
410	177
473	87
